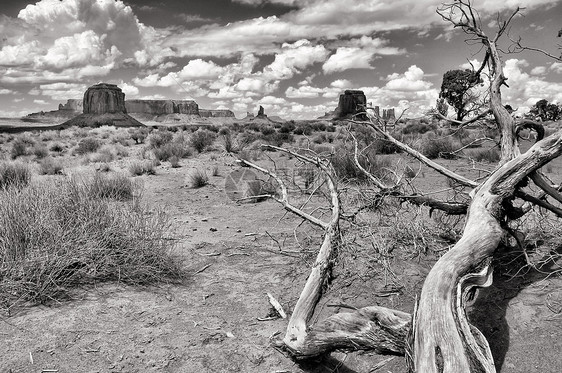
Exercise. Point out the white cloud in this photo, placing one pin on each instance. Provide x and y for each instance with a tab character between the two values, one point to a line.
348	58
4	91
556	67
411	80
199	69
538	70
293	58
303	92
129	90
524	89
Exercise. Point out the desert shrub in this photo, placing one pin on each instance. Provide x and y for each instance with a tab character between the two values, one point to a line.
382	146
104	155
319	139
244	139
56	237
19	148
198	179
226	142
57	147
438	147
331	128
14	174
201	139
491	155
40	151
158	138
80	132
116	186
304	129
137	168
417	127
121	151
174	161
318	126
287	127
139	135
344	165
50	166
224	131
173	149
267	130
278	139
87	145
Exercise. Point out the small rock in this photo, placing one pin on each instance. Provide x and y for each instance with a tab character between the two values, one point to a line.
213	229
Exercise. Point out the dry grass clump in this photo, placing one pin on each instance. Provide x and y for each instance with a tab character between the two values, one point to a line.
20	146
198	179
40	151
137	168
14	174
116	186
57	147
443	147
87	145
50	166
58	236
491	155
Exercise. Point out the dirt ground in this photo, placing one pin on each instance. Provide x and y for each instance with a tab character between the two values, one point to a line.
210	323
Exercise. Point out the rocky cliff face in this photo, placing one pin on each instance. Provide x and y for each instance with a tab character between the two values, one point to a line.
72	105
351	102
162	107
104	98
216	113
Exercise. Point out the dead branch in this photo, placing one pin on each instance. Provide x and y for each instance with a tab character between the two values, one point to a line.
422	158
462	123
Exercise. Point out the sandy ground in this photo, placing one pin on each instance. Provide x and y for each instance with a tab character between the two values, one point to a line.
209	324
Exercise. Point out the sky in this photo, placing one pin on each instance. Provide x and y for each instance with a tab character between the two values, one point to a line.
293	57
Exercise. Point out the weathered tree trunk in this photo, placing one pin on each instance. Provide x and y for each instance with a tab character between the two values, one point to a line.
444	341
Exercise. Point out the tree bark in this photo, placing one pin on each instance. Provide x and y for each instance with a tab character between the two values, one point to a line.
444	341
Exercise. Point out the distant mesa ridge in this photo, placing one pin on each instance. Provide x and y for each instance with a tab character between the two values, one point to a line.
104	98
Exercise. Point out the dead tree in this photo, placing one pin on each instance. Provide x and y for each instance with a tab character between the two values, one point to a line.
437	337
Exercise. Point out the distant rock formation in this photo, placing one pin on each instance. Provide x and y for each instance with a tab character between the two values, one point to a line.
162	107
351	102
104	98
220	113
107	99
261	113
388	114
103	105
72	105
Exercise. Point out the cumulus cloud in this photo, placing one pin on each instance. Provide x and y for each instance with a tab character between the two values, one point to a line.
304	91
525	89
348	58
411	80
293	58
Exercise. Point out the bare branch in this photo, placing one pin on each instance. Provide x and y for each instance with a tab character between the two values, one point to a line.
414	153
284	196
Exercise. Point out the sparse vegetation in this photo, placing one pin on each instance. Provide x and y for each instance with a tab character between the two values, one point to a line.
14	174
201	139
198	179
87	145
62	235
50	166
137	168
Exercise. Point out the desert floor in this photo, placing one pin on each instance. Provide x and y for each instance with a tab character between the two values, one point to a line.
235	253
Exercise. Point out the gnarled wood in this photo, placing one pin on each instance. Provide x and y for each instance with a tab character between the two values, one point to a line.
444	341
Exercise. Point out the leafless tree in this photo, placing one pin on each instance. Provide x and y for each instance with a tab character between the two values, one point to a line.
437	337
